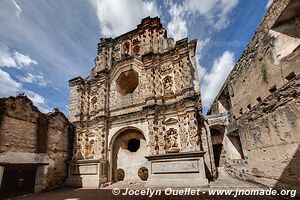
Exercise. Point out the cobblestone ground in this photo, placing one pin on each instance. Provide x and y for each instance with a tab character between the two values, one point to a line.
106	194
225	182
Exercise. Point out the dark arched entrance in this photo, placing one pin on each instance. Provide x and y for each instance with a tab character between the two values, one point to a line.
129	149
217	137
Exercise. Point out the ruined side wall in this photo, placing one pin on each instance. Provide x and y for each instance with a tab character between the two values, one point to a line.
270	139
19	126
59	149
73	103
264	94
266	64
29	136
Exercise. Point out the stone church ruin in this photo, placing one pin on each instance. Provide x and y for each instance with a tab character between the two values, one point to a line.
137	118
138	115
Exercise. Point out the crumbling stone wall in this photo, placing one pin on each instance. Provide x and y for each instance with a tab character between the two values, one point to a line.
29	136
262	92
270	137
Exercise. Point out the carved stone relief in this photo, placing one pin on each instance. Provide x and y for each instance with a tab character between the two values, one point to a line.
122	102
100	151
193	131
183	134
163	44
172	141
117	52
161	137
165	68
178	79
152	137
186	74
157	83
126	48
168	85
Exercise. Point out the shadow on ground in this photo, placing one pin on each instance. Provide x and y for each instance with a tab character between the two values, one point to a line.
106	194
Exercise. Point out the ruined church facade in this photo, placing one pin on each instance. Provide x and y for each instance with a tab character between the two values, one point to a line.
138	114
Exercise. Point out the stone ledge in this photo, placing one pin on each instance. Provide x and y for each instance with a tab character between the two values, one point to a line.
176	155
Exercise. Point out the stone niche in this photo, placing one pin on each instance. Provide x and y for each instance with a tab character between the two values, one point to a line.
177	170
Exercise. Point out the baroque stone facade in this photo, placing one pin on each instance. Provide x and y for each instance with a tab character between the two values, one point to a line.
144	87
255	120
34	147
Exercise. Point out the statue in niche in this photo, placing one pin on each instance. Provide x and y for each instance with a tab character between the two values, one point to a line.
162	41
116	53
126	47
168	84
171	141
171	43
90	152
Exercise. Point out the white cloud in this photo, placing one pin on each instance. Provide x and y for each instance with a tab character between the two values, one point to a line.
200	48
214	79
269	3
37	100
177	27
10	87
14	59
201	44
34	78
214	11
18	8
23	60
117	17
6	58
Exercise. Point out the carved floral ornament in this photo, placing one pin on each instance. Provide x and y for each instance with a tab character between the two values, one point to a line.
90	144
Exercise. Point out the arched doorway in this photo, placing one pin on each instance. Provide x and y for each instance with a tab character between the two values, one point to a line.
129	149
217	137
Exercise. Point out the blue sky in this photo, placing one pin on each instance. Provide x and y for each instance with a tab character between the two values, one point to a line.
45	43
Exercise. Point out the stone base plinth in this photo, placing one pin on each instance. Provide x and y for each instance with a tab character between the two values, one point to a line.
87	173
177	170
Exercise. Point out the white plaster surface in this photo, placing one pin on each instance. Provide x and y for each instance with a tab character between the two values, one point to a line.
283	45
130	162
